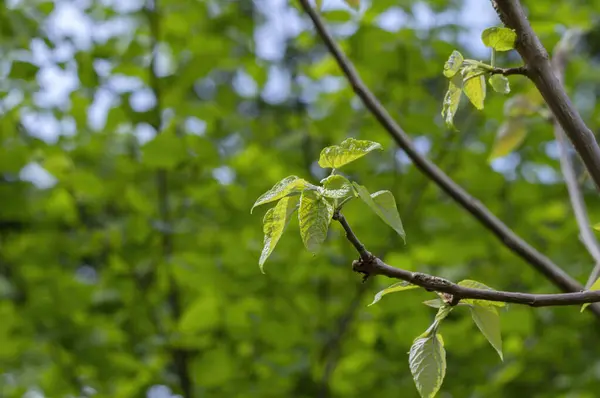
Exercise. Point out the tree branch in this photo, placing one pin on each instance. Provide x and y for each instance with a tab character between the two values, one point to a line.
537	260
370	265
542	74
180	357
560	57
521	70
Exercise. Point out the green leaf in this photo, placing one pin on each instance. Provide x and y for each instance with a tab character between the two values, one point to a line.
520	105
427	360
451	101
595	286
336	187
452	66
478	285
384	205
510	135
596	226
442	313
488	321
274	223
315	215
474	86
288	186
500	84
349	150
434	303
396	287
500	39
319	4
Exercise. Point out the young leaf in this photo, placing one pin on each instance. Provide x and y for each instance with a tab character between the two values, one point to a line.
500	39
275	221
318	5
595	286
474	87
488	321
314	215
596	226
500	84
349	150
452	66
287	186
434	303
396	287
451	101
427	360
384	205
479	285
510	135
337	187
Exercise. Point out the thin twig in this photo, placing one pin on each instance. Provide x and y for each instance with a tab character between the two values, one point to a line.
559	61
540	262
542	75
521	70
372	266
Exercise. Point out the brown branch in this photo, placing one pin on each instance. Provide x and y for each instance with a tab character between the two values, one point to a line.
521	70
542	74
511	240
371	266
559	62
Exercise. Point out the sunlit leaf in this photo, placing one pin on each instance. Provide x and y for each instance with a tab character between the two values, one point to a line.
596	226
315	215
384	205
500	84
451	101
427	360
595	286
336	187
478	285
396	287
452	66
487	320
500	39
274	223
288	186
474	87
349	150
510	135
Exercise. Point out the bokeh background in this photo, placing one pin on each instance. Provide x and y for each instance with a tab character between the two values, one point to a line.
129	259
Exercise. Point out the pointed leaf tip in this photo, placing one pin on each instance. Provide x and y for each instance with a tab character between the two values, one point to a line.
384	205
274	223
288	186
487	320
396	287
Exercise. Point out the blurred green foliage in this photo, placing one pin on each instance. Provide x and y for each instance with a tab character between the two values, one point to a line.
129	258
